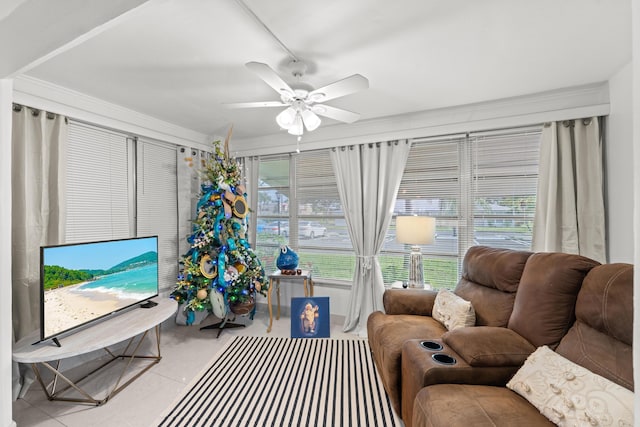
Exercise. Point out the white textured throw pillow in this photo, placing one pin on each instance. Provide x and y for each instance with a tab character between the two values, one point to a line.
569	394
452	311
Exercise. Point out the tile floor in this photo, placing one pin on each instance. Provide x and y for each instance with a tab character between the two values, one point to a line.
185	352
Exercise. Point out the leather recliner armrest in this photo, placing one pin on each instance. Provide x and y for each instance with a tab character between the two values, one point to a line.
489	346
409	301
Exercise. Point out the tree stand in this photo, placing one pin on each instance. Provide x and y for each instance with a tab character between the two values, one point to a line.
225	324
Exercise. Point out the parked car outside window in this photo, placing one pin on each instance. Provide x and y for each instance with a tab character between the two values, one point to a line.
311	230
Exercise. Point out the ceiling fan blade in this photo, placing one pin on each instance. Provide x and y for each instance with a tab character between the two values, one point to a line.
255	104
335	113
270	77
342	87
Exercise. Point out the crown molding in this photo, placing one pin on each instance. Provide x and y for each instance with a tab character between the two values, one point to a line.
41	94
581	101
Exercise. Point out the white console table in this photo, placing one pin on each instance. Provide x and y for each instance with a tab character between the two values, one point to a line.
133	325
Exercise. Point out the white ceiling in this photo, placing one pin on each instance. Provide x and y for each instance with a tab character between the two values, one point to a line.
179	60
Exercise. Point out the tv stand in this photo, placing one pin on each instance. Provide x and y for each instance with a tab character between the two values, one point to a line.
133	325
148	304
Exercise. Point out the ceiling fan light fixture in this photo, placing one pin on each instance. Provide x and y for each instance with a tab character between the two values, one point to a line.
296	128
286	118
303	101
311	120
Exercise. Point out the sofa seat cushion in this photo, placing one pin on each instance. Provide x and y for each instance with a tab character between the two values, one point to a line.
453	405
485	346
386	334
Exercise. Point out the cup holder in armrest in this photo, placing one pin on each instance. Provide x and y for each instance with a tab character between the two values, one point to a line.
444	359
431	345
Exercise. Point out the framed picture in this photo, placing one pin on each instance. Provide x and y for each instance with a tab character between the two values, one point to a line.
310	317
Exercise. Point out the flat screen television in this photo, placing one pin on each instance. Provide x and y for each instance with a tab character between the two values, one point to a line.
83	282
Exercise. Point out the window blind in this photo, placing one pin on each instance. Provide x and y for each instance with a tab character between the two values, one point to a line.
157	204
272	225
321	234
481	188
504	178
430	186
97	185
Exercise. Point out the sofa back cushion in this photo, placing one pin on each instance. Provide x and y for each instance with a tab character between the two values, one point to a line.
490	278
544	308
601	339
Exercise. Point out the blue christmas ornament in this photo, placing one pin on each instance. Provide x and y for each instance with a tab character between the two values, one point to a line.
221	268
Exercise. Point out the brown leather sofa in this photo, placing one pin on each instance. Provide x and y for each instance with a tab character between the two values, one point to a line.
600	340
522	300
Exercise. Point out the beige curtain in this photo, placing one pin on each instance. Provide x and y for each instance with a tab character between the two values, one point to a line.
368	177
39	142
570	203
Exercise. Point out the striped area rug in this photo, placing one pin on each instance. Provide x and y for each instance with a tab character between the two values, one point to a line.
266	381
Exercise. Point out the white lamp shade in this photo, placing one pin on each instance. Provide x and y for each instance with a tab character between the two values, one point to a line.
311	120
286	118
415	230
296	127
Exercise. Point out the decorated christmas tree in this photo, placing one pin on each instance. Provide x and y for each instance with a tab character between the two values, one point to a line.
220	272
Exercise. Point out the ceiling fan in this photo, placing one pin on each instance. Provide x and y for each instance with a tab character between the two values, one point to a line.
304	104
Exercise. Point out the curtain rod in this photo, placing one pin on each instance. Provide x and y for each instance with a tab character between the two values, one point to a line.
419	140
36	112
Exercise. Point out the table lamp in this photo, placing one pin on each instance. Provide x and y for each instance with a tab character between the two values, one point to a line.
415	231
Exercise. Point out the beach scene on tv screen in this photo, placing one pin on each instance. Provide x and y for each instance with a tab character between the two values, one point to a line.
87	281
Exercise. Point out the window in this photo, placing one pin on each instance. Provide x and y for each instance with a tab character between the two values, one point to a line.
310	219
98	184
504	177
157	204
272	229
480	187
430	186
322	237
118	187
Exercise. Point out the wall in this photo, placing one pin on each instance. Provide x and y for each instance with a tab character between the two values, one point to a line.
46	96
618	153
635	89
6	331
